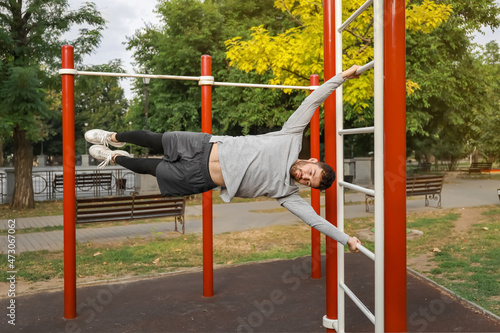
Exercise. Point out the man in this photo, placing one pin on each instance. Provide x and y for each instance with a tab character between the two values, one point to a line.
244	166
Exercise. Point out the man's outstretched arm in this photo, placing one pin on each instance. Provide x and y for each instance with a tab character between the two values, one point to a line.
300	208
302	116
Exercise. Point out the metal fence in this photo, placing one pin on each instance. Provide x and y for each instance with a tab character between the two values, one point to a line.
47	183
3	186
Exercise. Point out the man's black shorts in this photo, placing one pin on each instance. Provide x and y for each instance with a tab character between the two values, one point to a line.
184	167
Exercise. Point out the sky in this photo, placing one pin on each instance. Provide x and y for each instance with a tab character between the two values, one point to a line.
124	17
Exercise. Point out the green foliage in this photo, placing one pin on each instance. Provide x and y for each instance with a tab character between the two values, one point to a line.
30	43
32	30
189	29
453	84
291	56
447	87
31	37
99	101
240	111
298	52
23	104
486	120
175	48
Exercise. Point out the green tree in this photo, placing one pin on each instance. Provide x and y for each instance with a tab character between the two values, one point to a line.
452	86
486	121
99	101
190	29
291	55
22	95
30	41
295	53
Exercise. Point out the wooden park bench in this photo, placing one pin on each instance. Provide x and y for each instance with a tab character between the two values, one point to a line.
478	168
128	208
429	186
90	180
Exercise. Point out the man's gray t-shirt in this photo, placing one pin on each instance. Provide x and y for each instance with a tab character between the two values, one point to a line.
259	165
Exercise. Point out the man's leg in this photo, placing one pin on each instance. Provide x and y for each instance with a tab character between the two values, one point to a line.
141	138
138	165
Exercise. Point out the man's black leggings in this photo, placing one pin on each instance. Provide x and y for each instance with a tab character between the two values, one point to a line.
145	139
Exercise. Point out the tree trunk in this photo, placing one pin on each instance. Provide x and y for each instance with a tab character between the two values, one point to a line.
23	196
475	155
1	153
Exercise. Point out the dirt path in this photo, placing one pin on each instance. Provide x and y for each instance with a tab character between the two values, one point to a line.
468	218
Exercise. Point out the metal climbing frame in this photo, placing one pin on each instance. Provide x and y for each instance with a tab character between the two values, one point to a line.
206	81
378	129
385	152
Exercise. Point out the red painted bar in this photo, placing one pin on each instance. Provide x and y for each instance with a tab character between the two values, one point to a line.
315	193
330	158
69	199
395	165
206	127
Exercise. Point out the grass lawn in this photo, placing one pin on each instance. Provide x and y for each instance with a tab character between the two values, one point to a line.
52	208
466	261
4	232
469	264
161	254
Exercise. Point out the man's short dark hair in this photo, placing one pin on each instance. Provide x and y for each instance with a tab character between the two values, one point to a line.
328	176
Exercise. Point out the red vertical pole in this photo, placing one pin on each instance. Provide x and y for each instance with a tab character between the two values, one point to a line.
330	158
395	165
206	127
315	193
69	199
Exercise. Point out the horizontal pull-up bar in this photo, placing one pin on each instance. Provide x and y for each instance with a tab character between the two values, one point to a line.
203	80
357	188
366	67
366	252
150	76
359	130
355	15
269	86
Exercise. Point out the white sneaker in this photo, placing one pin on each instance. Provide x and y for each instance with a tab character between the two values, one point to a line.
100	137
100	152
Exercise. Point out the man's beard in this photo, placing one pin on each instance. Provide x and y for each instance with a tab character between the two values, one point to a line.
294	169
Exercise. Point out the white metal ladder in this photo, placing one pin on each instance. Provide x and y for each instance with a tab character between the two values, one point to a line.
378	193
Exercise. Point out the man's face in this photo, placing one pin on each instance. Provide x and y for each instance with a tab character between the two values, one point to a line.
307	173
